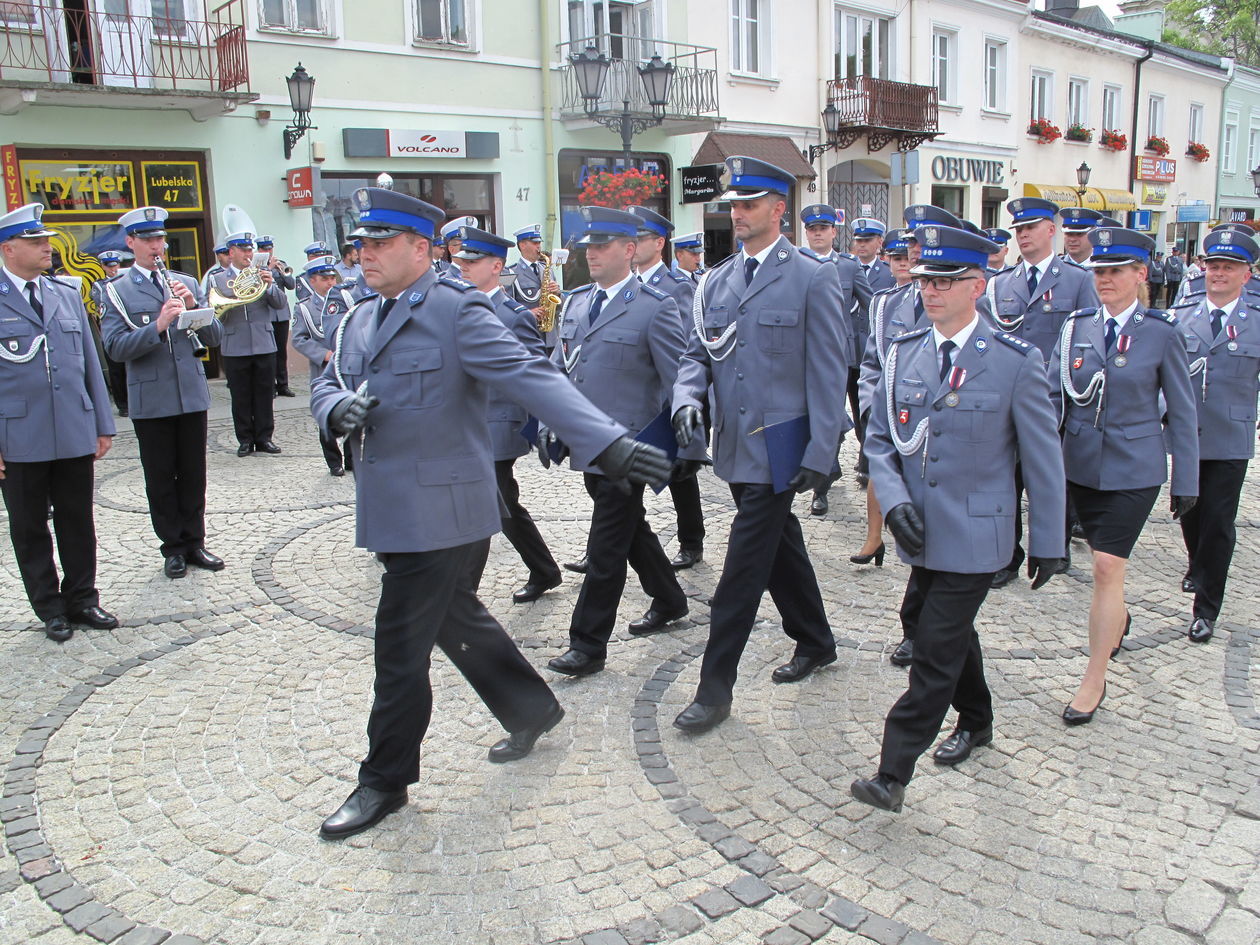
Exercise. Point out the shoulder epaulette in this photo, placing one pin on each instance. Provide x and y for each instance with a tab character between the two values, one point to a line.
455	282
515	305
914	333
723	262
67	285
1019	344
888	291
114	278
1072	262
366	298
580	289
1162	315
677	277
1084	311
1003	271
1188	303
810	254
654	291
849	256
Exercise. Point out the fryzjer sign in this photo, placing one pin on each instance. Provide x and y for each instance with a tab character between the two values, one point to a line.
701	182
441	144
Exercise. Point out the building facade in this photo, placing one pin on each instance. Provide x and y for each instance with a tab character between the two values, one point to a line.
1239	148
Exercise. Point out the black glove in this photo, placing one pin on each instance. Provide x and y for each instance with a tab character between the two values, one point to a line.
806	480
904	522
546	444
686	420
684	469
1181	504
1040	570
626	458
350	414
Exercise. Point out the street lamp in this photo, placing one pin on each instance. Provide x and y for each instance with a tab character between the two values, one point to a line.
831	128
1082	178
1255	179
590	69
301	88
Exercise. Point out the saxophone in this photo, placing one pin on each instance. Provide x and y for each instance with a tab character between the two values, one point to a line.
548	303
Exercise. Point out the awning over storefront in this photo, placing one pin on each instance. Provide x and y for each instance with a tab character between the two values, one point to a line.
779	150
1103	199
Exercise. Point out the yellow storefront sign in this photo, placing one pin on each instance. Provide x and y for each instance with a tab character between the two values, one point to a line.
68	187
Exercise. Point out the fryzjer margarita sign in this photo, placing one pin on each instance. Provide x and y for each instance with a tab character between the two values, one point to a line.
444	144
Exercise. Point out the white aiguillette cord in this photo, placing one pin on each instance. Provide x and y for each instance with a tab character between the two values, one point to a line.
915	442
697	316
1094	389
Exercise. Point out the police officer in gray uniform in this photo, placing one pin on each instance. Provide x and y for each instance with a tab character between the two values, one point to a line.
57	422
528	269
1195	288
481	257
1222	333
769	338
314	328
407	384
315	250
281	316
116	373
249	350
867	246
620	342
956	404
689	255
168	393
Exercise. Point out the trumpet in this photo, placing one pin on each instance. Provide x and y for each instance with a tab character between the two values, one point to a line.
198	347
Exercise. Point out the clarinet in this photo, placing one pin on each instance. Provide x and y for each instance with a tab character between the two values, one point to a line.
199	349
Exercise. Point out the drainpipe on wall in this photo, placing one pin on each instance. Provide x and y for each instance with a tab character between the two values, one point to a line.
550	171
1137	100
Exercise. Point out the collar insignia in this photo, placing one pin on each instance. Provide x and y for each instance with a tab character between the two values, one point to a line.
981	344
415	297
4	288
783	254
628	294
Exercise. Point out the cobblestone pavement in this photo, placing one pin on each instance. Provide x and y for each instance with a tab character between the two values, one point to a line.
164	782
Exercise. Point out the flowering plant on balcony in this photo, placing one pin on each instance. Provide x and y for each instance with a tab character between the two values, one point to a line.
620	188
1044	130
1078	132
1198	151
1158	145
1114	140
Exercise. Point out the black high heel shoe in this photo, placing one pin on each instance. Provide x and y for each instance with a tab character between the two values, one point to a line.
1128	622
877	555
1075	717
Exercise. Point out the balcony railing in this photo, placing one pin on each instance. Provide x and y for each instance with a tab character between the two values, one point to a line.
885	111
46	42
692	95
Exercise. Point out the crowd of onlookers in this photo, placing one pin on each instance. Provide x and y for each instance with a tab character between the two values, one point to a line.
1167	273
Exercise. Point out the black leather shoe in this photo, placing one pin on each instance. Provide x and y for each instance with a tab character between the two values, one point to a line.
245	449
284	392
1187	585
337	471
58	628
201	558
1201	630
819	505
687	558
801	666
534	590
122	412
365	807
904	654
1128	622
266	446
578	566
697	718
95	618
576	663
519	744
654	621
1078	531
1076	717
880	791
958	746
862	479
1004	577
175	567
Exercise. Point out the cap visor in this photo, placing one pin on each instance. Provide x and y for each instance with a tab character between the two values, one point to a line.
470	254
35	234
743	194
1015	225
940	270
1078	227
597	239
1102	262
377	232
1226	257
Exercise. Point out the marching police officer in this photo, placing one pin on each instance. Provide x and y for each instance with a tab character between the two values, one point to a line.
620	342
1193	288
1001	238
315	329
528	269
407	385
1222	334
481	258
1032	301
1077	222
281	316
169	397
249	350
57	422
313	250
775	350
867	245
220	265
956	404
689	255
116	372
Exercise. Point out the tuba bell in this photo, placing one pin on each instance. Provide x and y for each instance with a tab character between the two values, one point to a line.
247	285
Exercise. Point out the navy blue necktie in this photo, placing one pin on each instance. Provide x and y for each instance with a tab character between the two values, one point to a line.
1112	329
750	270
597	306
1218	321
1032	282
33	299
918	306
384	311
947	358
157	283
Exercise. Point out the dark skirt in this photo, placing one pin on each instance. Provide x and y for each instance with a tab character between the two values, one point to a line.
1113	519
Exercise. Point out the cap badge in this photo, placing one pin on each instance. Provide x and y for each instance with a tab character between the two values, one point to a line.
38	213
1226	238
363	199
931	236
150	213
1104	237
737	165
1017	206
919	213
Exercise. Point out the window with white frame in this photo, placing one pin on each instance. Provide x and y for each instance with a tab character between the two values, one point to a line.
944	64
995	75
1041	96
17	12
1111	107
750	28
1196	122
170	17
298	16
1229	144
443	22
864	45
1155	117
588	18
1078	102
1253	148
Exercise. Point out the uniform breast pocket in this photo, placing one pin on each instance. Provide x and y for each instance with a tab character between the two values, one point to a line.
72	332
977	414
617	347
1193	344
16	335
17	436
777	331
910	394
415	378
716	320
1242	360
449	493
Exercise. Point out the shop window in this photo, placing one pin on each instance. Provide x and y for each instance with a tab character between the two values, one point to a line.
297	16
443	22
949	198
456	194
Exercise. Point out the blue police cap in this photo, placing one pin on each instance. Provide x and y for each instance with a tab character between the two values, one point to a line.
604	224
1230	244
998	235
970	227
1026	210
896	242
1116	246
109	257
750	178
318	248
387	213
1109	221
821	213
692	241
918	214
144	221
531	232
652	222
868	226
220	247
438	240
24	222
320	265
262	241
478	243
1242	228
949	251
1079	219
450	229
243	238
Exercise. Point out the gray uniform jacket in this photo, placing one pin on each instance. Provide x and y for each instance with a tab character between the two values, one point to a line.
961	480
788	356
628	362
54	405
1121	446
247	329
894	312
164	379
684	274
678	286
879	276
528	284
1191	288
1062	289
855	293
1225	373
286	284
424	469
315	326
505	416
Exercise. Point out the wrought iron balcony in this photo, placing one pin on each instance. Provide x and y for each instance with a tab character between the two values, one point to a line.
53	54
693	95
884	111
